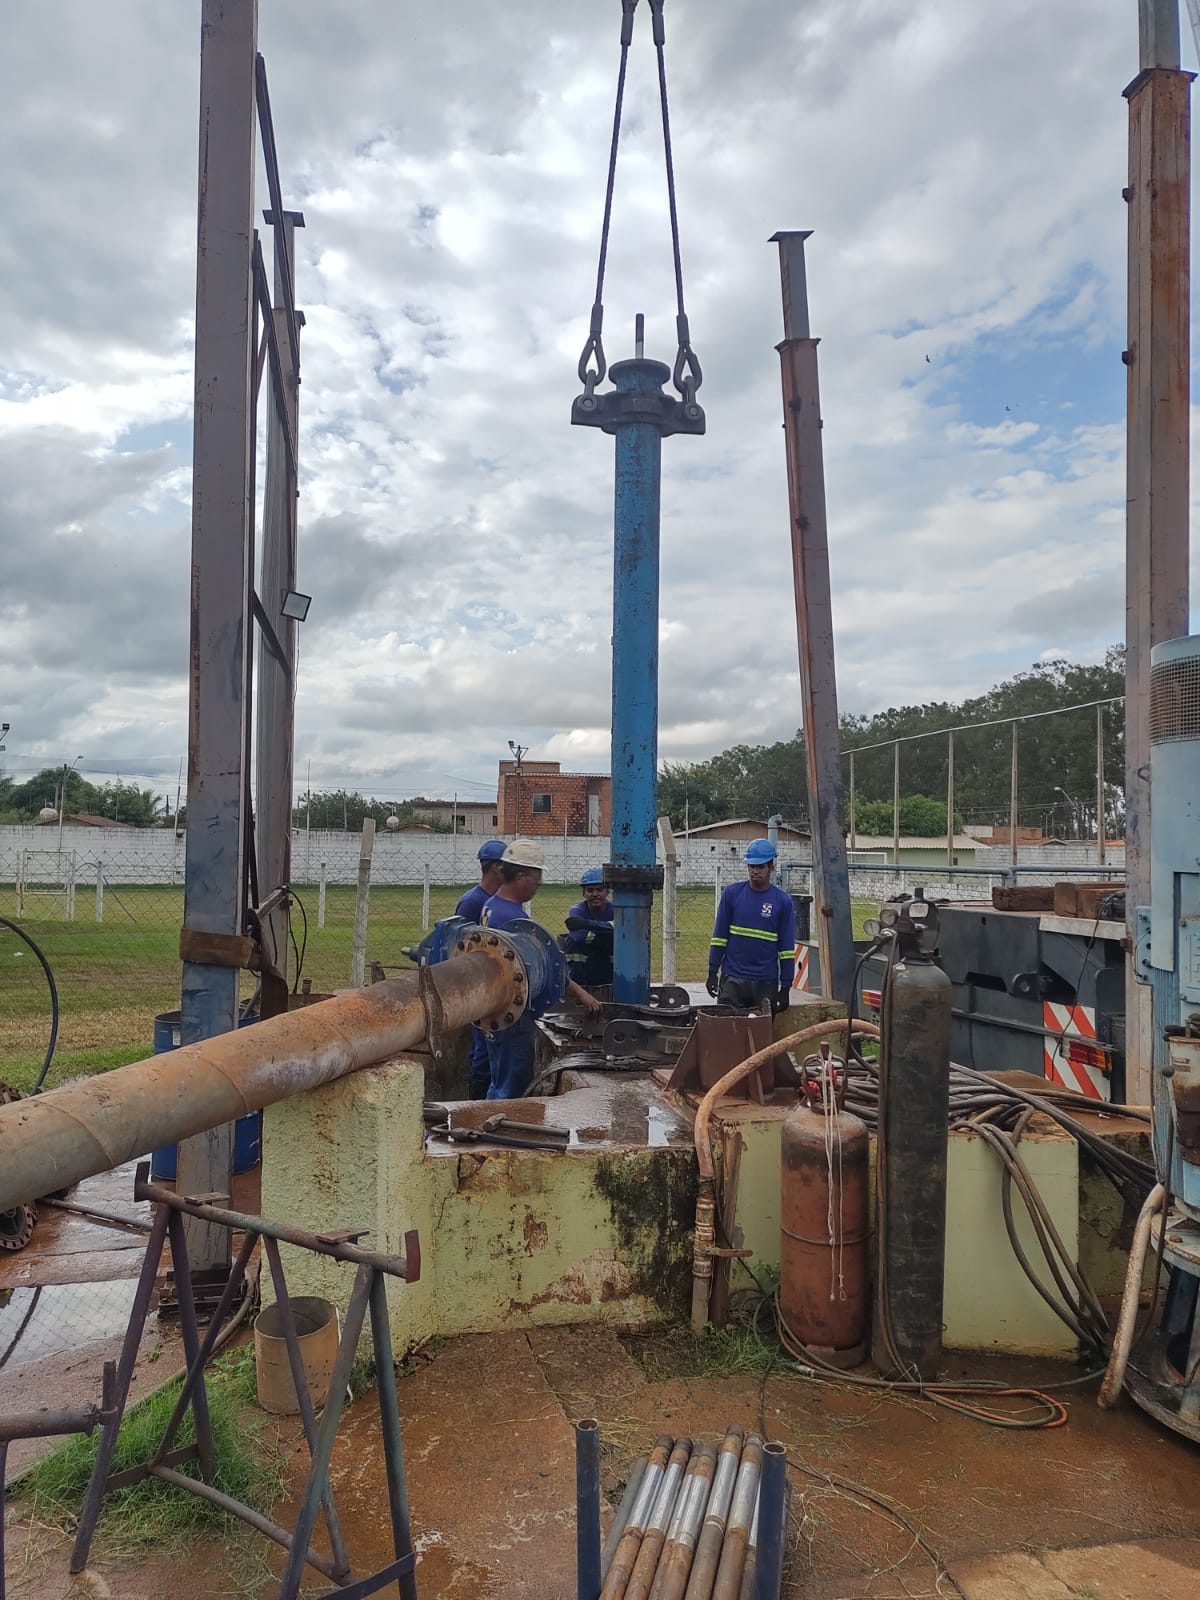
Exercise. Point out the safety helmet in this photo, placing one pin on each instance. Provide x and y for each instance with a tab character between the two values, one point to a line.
593	875
759	852
491	850
525	853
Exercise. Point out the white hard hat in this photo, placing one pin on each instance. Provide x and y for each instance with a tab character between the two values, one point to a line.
525	853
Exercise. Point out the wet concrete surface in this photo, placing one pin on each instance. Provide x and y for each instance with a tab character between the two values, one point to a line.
601	1111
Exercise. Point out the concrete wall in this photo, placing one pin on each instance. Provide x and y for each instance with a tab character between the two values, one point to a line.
512	1239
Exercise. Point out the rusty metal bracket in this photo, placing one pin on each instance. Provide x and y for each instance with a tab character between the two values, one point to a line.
434	1011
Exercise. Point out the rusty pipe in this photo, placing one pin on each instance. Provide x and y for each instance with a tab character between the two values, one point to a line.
53	1140
675	1562
630	1542
705	1237
750	1570
741	1515
712	1534
641	1578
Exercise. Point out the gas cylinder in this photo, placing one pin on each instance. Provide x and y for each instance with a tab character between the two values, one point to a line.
824	1218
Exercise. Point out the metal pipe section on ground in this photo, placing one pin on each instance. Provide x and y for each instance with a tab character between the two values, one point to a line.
587	1509
51	1141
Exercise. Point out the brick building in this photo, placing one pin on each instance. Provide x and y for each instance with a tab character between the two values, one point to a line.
546	800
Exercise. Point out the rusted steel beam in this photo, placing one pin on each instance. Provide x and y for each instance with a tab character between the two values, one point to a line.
51	1141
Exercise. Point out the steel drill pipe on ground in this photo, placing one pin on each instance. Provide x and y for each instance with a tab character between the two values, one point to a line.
675	1563
587	1508
51	1141
712	1534
750	1569
630	1542
772	1521
613	1537
741	1515
705	1237
640	1580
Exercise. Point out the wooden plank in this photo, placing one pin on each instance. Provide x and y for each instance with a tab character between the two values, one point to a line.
1024	898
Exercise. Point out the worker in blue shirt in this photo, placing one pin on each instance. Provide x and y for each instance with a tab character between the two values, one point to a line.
471	907
511	1050
753	952
589	941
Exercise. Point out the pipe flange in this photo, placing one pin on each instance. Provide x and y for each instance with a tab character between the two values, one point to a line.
490	942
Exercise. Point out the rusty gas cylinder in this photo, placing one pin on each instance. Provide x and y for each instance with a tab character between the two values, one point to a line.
825	1227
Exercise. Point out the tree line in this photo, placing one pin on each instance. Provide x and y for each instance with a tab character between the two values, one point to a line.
1057	762
121	802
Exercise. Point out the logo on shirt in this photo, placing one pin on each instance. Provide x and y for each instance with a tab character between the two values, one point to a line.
767	908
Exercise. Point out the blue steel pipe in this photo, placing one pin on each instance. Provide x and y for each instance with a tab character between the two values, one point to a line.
635	669
587	1509
772	1517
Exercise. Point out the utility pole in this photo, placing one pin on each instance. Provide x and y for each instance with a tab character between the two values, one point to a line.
222	465
275	681
814	621
519	752
1157	389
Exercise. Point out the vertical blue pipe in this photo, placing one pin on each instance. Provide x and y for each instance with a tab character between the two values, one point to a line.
587	1509
772	1518
635	671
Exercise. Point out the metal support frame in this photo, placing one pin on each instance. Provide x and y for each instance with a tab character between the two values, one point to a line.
48	1424
369	1295
276	673
1157	389
640	415
219	662
814	621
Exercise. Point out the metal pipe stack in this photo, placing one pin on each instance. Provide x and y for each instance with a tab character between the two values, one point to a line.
694	1523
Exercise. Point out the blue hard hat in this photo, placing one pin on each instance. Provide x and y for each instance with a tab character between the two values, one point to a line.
492	850
592	875
759	851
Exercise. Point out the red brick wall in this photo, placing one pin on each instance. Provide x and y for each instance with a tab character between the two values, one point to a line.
568	793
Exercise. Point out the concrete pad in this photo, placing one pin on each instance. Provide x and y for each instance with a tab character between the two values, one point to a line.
1014	1576
1168	1569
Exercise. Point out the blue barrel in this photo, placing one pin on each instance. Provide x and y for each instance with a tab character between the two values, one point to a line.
247	1131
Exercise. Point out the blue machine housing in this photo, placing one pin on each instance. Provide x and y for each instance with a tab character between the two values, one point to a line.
538	952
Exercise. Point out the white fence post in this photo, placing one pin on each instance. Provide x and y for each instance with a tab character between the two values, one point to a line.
358	959
670	930
70	887
321	899
425	898
99	891
21	884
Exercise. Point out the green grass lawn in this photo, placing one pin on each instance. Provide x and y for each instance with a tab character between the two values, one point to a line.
114	977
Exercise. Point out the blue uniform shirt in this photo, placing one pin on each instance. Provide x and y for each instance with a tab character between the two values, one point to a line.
754	936
472	903
499	912
589	950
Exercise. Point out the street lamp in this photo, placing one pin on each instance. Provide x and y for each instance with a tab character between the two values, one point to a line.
1075	809
62	803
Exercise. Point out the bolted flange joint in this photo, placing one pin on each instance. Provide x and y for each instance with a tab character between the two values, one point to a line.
618	407
617	877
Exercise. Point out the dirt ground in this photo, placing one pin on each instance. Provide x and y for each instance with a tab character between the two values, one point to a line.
1105	1508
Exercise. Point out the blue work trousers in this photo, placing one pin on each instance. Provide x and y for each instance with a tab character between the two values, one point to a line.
510	1055
480	1070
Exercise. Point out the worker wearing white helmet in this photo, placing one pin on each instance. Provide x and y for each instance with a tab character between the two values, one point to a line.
511	1051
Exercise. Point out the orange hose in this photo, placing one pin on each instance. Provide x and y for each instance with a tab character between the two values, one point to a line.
777	1047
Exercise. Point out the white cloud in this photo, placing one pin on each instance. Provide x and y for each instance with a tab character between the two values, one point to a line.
456	532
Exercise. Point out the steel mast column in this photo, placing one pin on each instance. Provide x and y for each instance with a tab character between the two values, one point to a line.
1156	526
214	896
814	624
638	412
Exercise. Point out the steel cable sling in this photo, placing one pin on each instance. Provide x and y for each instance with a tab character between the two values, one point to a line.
687	375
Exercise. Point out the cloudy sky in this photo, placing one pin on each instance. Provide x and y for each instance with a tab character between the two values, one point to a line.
961	167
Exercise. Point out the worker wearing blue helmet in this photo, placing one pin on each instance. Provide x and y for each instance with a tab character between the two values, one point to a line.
753	952
471	907
589	940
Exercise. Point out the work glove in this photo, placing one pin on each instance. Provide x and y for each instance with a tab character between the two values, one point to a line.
782	1000
714	982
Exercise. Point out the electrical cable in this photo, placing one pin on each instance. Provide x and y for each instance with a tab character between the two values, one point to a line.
303	950
53	987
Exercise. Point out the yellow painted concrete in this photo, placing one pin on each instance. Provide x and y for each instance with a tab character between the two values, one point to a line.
508	1239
